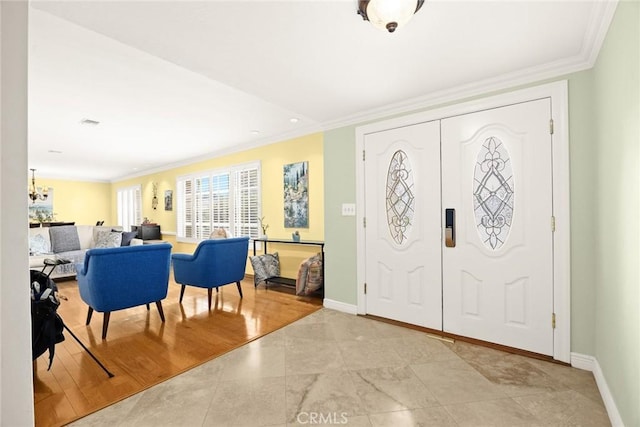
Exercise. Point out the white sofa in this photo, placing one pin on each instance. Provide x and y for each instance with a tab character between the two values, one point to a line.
60	243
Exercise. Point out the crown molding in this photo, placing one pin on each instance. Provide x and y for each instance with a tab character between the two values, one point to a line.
60	177
599	22
300	132
601	18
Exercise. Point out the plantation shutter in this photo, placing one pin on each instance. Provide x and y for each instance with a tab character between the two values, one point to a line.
129	201
185	207
220	201
137	206
202	207
228	199
246	203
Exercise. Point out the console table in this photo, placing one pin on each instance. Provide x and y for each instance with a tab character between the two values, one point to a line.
147	231
50	224
285	281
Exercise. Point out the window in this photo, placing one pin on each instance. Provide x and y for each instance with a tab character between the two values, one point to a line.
129	206
227	199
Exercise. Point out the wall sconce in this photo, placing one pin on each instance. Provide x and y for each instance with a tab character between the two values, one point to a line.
34	193
388	14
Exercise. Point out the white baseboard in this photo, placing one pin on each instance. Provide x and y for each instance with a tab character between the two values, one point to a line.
340	306
607	398
590	363
583	361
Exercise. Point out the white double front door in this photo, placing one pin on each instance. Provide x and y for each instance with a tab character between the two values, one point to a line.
458	230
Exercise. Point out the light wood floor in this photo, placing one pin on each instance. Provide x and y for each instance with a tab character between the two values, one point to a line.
142	351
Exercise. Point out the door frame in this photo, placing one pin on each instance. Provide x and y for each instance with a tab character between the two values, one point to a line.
557	92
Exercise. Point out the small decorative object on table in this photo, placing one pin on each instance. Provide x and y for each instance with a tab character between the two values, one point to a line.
264	226
296	236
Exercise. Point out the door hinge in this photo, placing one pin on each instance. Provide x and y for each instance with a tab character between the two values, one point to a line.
553	224
363	156
364	222
553	320
551	126
365	288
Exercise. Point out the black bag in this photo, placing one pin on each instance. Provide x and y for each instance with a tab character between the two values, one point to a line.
46	324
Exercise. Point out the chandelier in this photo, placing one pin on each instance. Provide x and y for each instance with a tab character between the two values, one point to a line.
34	193
388	14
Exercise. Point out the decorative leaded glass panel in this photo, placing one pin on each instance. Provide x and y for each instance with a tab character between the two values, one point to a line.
493	193
400	197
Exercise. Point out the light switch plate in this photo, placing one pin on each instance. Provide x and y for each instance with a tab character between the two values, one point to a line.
348	209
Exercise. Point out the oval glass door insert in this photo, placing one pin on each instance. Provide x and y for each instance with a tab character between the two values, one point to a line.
493	193
400	197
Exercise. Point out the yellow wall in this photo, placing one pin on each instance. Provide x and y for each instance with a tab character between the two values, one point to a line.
272	159
79	201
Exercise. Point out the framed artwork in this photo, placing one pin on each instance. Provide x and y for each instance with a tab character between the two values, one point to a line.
42	210
296	195
168	200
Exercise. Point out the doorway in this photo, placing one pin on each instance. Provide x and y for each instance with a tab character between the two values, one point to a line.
459	225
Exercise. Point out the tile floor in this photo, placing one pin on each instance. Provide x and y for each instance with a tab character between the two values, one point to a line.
332	368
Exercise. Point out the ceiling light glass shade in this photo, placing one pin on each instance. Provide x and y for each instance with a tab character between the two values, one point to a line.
388	14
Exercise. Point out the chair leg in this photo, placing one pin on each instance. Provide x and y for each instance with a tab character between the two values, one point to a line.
239	288
159	305
182	293
217	289
89	314
105	324
147	307
209	295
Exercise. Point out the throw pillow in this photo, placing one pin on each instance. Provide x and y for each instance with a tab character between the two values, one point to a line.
64	238
309	276
271	264
38	245
314	276
264	267
109	239
218	233
127	236
259	273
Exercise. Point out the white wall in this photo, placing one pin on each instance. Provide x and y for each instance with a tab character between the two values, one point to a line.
16	382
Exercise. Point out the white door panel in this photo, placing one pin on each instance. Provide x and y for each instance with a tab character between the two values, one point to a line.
494	168
403	254
497	280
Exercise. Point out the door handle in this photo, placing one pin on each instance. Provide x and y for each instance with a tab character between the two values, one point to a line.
450	228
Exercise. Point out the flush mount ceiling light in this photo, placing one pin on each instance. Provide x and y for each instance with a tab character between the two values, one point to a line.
388	14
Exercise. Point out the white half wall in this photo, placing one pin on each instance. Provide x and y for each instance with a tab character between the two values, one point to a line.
16	377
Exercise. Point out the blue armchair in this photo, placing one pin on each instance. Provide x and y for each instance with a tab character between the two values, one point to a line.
113	279
215	262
